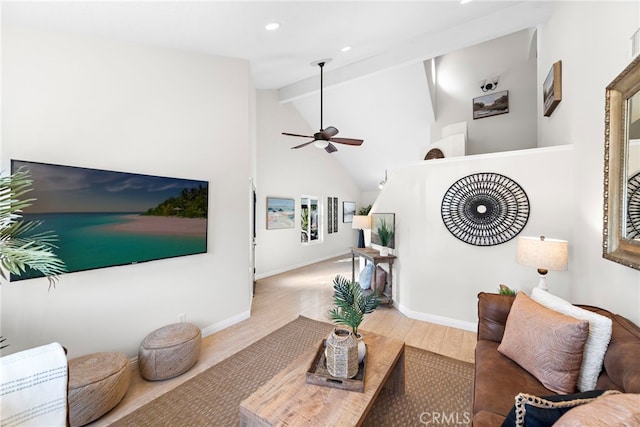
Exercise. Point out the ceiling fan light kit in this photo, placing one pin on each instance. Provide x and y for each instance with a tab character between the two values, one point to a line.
324	137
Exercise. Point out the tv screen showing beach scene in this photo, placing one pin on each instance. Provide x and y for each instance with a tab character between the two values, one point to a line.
106	218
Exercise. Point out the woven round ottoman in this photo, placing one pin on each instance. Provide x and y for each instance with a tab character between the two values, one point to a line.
97	382
169	351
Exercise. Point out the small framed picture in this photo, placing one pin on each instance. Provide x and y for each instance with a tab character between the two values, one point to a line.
552	88
386	222
348	211
280	213
491	105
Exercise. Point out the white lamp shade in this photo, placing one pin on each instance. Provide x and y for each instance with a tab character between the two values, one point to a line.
361	222
542	253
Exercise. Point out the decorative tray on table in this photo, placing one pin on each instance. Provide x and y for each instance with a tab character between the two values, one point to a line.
318	374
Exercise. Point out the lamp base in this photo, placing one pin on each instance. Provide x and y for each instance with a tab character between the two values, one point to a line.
361	238
542	283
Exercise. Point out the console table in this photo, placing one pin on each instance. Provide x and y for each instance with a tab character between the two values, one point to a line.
374	257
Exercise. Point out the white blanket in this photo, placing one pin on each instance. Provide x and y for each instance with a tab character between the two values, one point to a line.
33	387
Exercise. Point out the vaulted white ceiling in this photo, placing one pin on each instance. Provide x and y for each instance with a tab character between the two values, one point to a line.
376	90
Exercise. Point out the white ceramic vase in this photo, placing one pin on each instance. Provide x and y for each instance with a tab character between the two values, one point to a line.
384	251
362	348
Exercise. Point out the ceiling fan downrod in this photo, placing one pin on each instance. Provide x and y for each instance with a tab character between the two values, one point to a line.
321	65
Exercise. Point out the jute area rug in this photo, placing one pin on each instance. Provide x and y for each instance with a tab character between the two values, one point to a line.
438	389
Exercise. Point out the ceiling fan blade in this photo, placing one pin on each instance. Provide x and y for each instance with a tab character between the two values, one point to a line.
297	134
302	145
330	148
348	141
329	132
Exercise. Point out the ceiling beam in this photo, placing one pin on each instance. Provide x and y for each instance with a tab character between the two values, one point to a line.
506	21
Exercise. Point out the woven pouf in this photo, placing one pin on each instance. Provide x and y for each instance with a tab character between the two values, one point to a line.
97	382
169	351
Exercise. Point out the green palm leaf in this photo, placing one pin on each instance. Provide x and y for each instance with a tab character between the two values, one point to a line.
21	247
351	304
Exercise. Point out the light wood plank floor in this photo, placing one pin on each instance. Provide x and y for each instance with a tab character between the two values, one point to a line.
280	299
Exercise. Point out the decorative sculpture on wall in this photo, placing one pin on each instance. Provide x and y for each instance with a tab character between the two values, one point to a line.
434	153
485	209
633	207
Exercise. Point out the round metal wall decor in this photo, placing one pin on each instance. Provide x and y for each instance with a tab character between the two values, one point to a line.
633	207
485	209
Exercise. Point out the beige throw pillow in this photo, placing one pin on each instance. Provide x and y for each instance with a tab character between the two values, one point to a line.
597	341
615	410
546	343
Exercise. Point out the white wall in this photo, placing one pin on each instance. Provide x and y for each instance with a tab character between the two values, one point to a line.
283	172
438	276
458	80
125	107
592	40
390	110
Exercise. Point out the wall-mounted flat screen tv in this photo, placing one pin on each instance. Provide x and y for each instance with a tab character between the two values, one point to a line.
107	218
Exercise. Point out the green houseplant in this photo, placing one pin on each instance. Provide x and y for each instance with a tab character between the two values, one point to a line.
364	210
351	303
21	247
385	233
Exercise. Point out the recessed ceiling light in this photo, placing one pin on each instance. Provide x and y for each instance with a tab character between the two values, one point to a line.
272	26
346	48
465	1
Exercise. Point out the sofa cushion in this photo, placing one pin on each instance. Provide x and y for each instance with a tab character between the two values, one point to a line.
533	411
493	310
546	343
499	379
613	410
596	345
487	419
621	361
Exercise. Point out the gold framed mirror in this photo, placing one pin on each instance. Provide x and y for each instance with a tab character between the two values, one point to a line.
621	228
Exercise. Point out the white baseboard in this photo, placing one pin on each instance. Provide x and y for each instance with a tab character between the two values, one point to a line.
259	276
225	323
209	330
439	320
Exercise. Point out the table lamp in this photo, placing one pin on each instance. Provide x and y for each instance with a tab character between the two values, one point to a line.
543	254
361	222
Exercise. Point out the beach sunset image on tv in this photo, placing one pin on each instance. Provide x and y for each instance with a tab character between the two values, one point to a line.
107	218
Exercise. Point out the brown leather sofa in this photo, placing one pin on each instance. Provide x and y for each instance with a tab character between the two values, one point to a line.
498	379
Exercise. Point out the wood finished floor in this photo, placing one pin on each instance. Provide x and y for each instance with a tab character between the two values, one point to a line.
278	300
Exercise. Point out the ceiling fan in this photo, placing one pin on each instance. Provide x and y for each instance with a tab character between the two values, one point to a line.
324	137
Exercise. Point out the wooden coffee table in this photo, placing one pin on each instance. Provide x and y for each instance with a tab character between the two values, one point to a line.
288	400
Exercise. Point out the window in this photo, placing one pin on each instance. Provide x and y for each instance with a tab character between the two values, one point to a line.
310	220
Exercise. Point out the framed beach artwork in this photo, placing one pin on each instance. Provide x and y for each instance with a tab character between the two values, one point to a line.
280	213
348	211
552	89
491	105
107	218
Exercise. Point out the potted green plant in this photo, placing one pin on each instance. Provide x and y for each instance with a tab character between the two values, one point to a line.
20	245
385	233
351	305
364	210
